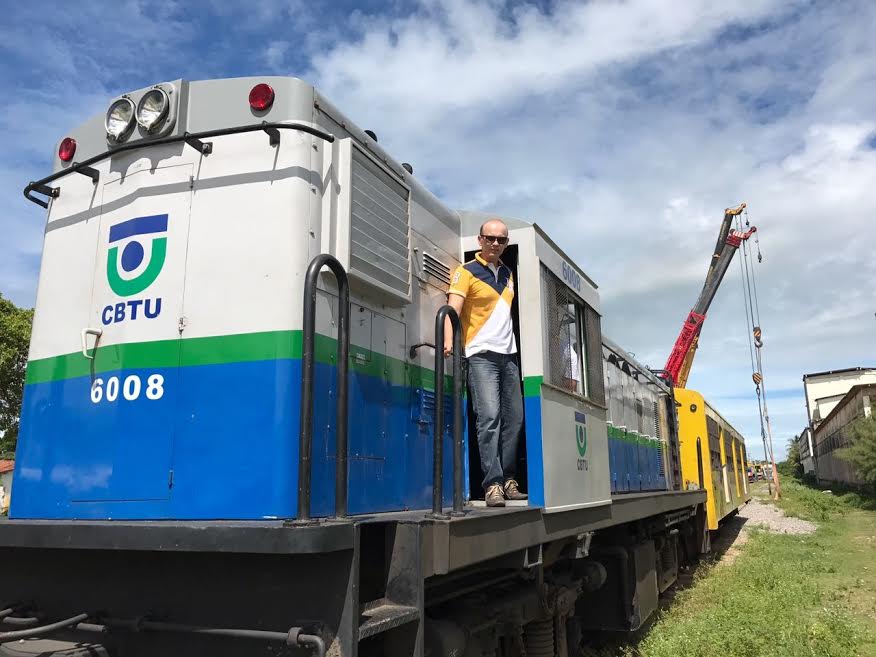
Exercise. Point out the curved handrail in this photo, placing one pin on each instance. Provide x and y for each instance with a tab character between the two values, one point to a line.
307	364
438	440
191	138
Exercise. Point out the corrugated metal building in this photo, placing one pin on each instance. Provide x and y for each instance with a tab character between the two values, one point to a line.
824	390
832	433
807	450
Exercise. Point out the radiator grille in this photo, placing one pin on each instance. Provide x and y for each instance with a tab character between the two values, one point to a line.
437	270
424	408
379	227
642	418
661	467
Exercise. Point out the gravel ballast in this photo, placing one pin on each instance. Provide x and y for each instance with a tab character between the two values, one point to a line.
757	513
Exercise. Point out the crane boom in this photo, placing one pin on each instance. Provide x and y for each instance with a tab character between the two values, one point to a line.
680	360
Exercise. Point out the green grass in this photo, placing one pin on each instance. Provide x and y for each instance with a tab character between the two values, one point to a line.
783	595
810	503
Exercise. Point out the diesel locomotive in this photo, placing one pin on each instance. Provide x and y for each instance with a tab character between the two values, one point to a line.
236	437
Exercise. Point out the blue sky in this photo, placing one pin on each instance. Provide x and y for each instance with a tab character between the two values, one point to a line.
623	128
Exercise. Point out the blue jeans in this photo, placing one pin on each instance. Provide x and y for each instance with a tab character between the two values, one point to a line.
494	387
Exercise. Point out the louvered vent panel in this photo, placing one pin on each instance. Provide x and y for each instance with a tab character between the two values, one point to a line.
424	411
661	465
379	227
436	269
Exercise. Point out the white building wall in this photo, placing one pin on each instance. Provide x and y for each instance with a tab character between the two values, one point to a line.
807	450
833	434
5	491
824	391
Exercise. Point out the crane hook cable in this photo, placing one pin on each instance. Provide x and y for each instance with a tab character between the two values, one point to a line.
752	315
758	343
749	320
757	375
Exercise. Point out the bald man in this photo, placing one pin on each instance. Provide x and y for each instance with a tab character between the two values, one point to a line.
481	292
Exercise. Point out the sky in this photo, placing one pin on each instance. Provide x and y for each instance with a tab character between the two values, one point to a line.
622	128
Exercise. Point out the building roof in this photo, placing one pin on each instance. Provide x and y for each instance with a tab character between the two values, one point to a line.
843	371
6	466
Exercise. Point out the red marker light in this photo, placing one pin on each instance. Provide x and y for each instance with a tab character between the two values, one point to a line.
261	97
67	149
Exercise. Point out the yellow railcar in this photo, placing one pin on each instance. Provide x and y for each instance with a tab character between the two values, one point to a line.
713	456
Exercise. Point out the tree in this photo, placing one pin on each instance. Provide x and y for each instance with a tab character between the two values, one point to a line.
794	457
15	326
792	466
861	452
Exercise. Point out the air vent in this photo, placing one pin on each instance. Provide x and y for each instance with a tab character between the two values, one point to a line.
436	269
379	227
424	407
661	466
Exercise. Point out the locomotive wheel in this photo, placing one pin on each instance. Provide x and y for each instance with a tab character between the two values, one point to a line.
51	648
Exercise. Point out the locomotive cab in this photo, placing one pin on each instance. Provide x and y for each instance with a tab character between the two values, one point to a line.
165	372
563	459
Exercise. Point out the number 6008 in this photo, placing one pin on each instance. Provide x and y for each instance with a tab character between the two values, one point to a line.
130	388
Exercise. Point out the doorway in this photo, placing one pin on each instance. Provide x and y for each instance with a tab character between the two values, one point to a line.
475	473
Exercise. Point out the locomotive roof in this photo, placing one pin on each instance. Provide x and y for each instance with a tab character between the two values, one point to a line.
472	220
625	355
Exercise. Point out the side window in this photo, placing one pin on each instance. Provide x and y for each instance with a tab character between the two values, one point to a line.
593	341
573	342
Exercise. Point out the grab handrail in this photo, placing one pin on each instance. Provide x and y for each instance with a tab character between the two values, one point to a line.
438	441
193	139
307	364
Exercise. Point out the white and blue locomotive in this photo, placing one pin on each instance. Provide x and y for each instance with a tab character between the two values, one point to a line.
163	401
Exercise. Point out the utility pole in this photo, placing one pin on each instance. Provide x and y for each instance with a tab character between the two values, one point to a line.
766	413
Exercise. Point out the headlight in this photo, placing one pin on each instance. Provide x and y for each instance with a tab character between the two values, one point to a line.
152	109
119	119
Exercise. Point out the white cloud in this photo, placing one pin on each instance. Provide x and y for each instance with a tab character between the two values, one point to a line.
623	128
462	55
275	54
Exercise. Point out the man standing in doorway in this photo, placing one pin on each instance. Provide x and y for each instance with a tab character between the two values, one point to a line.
481	292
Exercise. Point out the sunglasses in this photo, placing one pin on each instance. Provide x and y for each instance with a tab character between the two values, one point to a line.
498	239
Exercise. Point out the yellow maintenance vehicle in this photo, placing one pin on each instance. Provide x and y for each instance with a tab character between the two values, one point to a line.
712	453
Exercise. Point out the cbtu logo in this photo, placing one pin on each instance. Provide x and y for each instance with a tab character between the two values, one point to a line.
126	272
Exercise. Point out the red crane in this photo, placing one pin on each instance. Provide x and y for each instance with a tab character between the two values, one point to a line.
680	360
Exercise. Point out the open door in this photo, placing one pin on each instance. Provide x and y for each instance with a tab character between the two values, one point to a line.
475	473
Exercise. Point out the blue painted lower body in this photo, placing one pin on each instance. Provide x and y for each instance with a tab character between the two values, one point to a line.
534	454
634	466
221	442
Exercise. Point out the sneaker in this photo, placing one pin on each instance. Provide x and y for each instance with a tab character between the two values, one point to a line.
512	492
494	496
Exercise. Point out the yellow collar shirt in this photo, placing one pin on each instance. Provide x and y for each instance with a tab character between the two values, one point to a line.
486	312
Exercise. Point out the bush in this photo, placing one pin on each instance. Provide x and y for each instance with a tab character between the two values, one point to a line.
786	469
805	498
809	503
861	452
